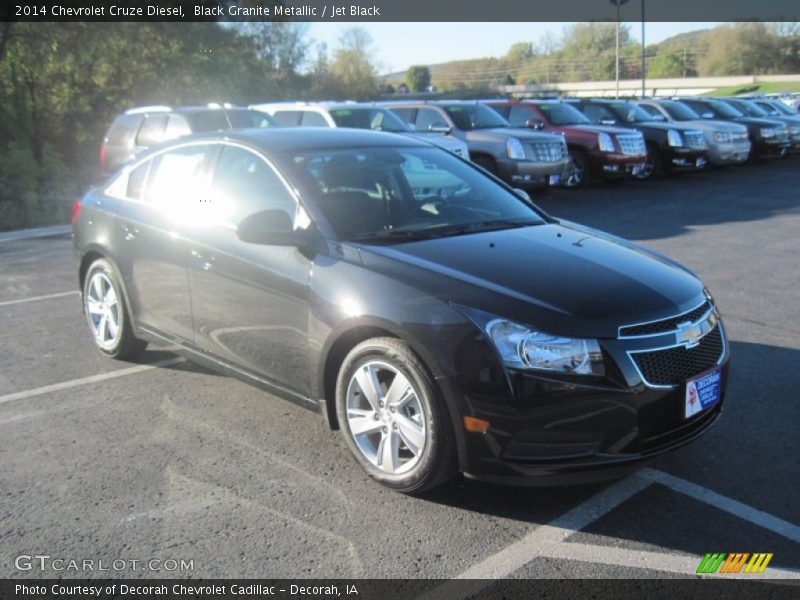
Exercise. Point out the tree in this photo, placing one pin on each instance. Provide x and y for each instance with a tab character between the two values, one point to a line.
418	78
355	71
520	51
667	64
509	80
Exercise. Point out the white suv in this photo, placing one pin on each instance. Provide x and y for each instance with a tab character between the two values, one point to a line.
355	116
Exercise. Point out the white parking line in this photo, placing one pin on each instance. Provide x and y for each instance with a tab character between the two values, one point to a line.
35	298
87	380
743	511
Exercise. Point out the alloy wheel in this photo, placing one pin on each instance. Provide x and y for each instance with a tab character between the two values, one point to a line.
103	310
386	418
575	178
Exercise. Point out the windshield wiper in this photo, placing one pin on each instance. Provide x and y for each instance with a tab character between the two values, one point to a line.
443	231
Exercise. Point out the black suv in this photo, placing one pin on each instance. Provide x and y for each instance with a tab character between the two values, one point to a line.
670	147
139	128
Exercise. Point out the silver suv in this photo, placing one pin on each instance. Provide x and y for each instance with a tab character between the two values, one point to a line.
728	143
354	116
520	157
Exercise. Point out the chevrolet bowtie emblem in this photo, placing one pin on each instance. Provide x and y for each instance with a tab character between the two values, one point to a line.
690	334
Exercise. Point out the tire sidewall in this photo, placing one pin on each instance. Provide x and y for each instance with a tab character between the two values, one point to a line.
435	416
102	265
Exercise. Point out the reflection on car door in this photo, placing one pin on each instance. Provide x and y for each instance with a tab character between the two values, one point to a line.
153	253
249	301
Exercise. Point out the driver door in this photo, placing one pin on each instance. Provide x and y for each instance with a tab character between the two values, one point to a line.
250	301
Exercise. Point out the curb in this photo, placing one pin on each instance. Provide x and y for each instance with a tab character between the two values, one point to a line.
40	232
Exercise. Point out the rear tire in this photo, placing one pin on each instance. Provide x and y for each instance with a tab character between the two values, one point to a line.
107	313
393	417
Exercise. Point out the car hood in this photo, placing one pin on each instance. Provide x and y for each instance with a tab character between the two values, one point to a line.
599	128
714	126
443	141
503	133
560	277
758	121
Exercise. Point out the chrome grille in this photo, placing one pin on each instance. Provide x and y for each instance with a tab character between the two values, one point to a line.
739	136
695	140
665	325
547	151
632	143
674	366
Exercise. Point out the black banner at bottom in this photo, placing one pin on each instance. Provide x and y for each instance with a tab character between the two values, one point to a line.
405	589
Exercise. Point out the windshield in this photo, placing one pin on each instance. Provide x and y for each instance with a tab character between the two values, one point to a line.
781	107
377	119
630	113
725	110
384	194
474	116
749	108
563	114
679	111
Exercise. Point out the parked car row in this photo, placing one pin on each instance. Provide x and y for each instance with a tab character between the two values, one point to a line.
526	143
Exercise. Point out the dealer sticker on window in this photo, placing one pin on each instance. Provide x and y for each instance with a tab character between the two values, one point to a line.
702	392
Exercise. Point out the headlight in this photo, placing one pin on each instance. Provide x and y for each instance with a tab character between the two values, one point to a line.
521	347
605	143
723	137
794	130
514	149
674	139
767	132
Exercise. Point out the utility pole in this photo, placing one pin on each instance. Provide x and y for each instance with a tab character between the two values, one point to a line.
644	66
618	3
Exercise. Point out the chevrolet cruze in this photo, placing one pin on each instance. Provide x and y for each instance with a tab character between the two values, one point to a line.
436	316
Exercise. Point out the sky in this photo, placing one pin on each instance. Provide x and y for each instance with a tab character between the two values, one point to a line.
399	45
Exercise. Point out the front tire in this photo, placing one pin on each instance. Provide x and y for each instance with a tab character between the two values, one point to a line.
393	417
580	171
652	165
107	313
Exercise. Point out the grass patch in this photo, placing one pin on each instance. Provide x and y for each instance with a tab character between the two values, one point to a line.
755	88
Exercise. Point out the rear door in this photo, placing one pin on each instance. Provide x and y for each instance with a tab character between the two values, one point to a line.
150	234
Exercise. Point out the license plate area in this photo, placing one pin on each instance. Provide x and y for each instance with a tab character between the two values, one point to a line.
702	392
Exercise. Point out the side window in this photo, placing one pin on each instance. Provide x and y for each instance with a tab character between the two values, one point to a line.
650	110
427	117
503	111
176	127
122	130
312	118
136	181
407	114
287	118
596	113
244	184
519	115
176	183
152	130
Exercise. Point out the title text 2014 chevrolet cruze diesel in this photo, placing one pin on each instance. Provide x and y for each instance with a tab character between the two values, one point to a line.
435	316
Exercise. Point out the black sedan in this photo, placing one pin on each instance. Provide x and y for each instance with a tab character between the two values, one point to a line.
434	315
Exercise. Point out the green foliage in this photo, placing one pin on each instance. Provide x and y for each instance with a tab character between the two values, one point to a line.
667	64
418	78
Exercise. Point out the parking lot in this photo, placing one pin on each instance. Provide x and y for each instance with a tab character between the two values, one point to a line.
165	460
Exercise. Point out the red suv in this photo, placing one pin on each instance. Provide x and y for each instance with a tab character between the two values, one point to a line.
610	153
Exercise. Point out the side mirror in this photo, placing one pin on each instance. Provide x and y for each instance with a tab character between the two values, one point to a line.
707	115
608	121
271	228
534	124
523	194
439	127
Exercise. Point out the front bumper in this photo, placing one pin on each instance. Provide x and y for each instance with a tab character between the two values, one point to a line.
550	431
729	154
772	148
526	172
684	159
612	164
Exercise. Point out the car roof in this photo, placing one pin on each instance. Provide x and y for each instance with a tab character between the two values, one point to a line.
293	139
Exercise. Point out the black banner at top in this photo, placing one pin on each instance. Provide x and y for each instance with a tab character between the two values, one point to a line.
399	10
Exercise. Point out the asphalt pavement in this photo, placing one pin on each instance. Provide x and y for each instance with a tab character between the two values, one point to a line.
106	460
